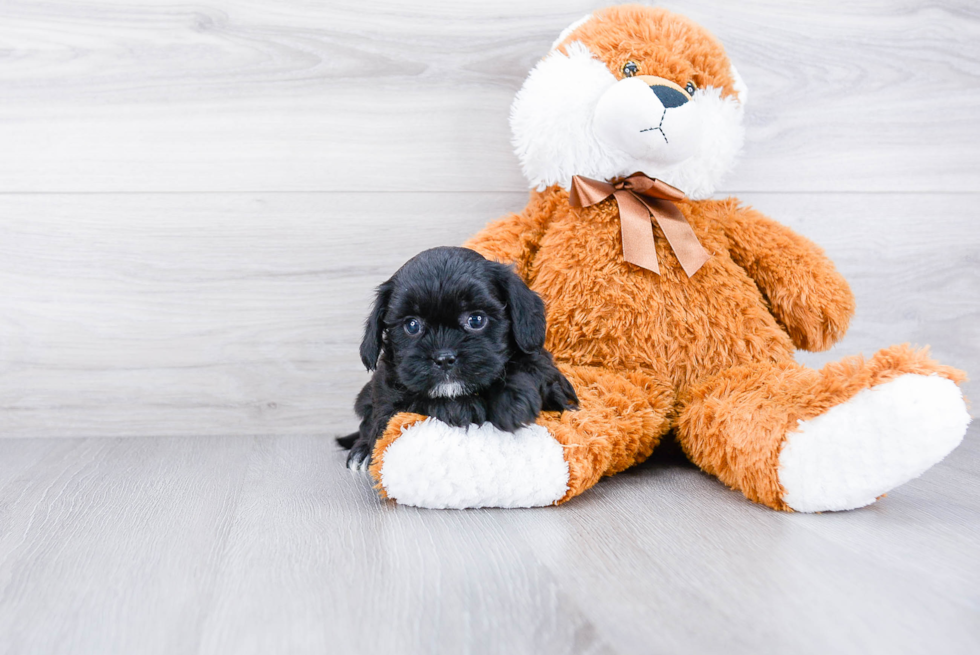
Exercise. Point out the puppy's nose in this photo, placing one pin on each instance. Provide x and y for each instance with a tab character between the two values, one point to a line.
445	358
669	97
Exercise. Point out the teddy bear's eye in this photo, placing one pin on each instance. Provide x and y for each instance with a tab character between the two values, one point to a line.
630	69
691	88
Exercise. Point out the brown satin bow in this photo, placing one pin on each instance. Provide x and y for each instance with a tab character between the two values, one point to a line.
639	198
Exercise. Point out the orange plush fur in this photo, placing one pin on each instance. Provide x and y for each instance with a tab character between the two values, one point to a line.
709	358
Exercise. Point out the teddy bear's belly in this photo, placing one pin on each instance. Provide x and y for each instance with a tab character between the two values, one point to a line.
620	316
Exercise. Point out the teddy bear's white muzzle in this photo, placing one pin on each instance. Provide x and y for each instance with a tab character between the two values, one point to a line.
654	124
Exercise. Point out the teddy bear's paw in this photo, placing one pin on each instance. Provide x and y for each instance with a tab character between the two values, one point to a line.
434	465
882	437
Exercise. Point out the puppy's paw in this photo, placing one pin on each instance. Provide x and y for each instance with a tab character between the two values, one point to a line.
559	395
359	457
514	407
459	412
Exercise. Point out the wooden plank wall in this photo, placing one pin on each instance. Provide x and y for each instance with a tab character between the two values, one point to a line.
191	217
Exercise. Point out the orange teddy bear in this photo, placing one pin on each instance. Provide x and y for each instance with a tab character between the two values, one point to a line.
669	311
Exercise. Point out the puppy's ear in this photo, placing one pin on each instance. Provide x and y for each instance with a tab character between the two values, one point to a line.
525	309
374	327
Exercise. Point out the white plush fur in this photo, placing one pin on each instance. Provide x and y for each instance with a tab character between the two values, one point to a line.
631	119
434	465
552	120
882	437
740	89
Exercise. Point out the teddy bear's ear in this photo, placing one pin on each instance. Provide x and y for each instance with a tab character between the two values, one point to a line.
568	30
740	89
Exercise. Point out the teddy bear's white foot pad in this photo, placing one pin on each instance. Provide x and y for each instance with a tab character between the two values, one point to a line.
881	438
438	466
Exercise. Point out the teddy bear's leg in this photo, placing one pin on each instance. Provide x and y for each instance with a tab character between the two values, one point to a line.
798	439
421	461
623	417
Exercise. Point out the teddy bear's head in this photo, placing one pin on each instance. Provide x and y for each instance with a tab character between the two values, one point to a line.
626	89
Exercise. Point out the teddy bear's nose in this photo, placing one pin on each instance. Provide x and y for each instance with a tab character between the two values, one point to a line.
668	96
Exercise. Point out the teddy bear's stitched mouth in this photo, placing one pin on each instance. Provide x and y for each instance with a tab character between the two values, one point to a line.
659	127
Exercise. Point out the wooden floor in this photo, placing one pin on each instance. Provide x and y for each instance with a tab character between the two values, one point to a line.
191	224
268	545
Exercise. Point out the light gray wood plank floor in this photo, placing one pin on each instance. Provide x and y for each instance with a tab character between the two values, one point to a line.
190	229
269	545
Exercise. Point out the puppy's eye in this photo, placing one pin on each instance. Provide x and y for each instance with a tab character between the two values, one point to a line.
413	326
475	321
691	88
630	69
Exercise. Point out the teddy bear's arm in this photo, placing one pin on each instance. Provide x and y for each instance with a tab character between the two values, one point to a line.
807	295
514	239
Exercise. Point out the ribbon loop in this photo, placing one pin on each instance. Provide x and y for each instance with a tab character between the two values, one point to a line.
639	199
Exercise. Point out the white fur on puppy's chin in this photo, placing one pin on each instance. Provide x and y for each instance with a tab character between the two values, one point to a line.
438	466
881	438
552	124
448	390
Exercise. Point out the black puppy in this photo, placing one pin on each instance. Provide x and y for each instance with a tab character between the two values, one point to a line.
460	338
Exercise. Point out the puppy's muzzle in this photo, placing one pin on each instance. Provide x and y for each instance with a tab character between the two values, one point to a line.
445	359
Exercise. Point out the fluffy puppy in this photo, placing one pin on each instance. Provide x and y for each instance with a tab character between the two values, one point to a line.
460	338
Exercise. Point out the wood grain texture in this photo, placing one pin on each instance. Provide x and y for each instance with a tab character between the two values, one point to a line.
218	314
269	545
190	230
228	96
